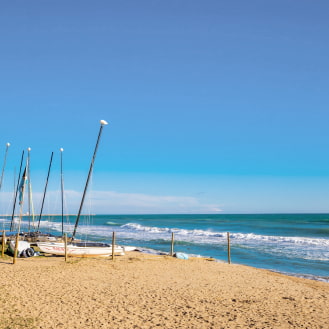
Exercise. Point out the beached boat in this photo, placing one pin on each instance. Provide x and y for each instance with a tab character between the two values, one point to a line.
80	249
23	249
32	234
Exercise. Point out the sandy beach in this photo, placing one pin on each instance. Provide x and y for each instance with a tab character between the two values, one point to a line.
146	291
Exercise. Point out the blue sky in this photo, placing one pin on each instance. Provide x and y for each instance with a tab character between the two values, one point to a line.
213	106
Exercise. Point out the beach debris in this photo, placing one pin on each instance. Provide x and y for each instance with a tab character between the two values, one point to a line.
181	255
24	249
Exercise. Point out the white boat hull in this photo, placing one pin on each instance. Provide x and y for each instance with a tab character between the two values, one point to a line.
23	249
58	248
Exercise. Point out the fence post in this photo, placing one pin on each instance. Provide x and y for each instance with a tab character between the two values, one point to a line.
172	244
228	248
3	243
16	249
113	244
65	246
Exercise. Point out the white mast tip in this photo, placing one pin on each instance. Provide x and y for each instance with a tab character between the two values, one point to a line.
29	149
103	122
61	149
8	144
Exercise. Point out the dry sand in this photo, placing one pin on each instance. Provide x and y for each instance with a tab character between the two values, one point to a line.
145	291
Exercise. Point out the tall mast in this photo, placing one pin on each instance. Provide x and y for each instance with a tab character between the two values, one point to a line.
4	164
103	123
44	192
62	191
21	197
16	190
29	186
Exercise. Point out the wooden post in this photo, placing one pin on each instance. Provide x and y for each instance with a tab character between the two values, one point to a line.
228	248
172	244
113	245
16	249
65	246
3	244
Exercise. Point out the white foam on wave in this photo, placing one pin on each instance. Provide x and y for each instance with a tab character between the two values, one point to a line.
162	230
316	249
305	276
210	235
300	247
111	223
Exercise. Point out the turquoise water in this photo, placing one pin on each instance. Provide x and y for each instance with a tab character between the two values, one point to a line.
295	244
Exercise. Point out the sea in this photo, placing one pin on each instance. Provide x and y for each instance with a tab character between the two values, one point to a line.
293	244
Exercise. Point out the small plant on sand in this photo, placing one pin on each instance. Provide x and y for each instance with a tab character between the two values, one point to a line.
74	260
19	322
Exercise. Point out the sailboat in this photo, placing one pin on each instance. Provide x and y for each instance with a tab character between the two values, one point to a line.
1	180
28	238
23	247
82	248
33	234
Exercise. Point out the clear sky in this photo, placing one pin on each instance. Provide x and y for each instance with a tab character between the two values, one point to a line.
213	106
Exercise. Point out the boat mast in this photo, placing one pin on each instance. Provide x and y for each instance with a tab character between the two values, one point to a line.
21	197
30	207
44	192
16	190
103	123
4	164
62	191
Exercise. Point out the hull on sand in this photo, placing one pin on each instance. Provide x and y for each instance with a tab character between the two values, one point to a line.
23	249
79	249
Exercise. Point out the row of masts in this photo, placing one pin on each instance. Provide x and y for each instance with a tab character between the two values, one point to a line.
20	187
25	177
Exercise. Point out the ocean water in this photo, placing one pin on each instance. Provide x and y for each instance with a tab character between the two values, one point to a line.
294	244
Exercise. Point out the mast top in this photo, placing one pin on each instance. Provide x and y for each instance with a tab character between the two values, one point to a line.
29	149
103	123
61	149
8	144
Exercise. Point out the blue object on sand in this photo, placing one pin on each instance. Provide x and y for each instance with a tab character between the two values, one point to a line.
181	255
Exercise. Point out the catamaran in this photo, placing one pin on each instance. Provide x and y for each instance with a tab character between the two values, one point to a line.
82	248
23	248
